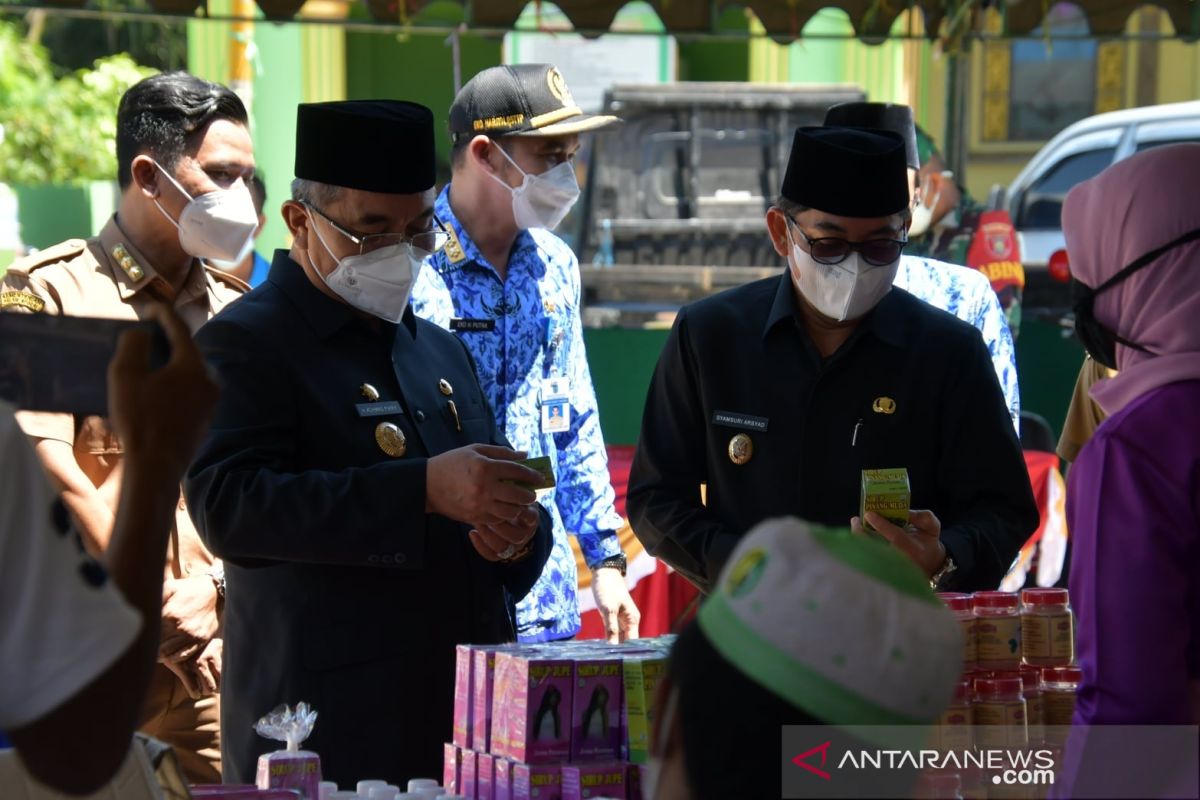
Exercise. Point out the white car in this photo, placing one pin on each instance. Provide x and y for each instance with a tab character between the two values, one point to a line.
1081	151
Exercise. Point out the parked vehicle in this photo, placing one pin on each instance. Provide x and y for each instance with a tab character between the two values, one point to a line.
1081	151
674	202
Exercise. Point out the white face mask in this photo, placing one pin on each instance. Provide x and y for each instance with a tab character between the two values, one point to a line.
840	291
922	216
230	266
379	282
541	201
218	225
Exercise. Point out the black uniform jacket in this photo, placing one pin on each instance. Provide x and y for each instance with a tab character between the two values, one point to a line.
913	387
342	591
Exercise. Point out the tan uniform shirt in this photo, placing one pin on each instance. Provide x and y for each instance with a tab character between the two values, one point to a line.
106	276
1084	414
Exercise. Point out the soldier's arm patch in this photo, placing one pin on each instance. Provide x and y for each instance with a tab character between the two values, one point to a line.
24	300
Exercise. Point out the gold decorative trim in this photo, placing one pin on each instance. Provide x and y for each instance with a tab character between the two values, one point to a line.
551	117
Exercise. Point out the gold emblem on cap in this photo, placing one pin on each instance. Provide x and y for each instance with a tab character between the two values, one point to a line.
558	87
884	405
390	439
444	387
127	263
370	392
741	449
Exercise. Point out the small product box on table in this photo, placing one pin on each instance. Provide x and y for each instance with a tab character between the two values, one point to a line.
531	714
641	673
584	781
451	767
537	782
596	708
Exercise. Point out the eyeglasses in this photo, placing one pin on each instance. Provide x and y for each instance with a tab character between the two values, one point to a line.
429	241
832	250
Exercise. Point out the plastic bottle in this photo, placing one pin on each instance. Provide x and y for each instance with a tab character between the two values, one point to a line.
997	631
953	731
417	784
1059	688
1031	687
363	788
1000	714
962	606
1047	627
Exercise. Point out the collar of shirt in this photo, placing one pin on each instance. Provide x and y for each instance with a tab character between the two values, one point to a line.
887	321
116	243
447	260
325	315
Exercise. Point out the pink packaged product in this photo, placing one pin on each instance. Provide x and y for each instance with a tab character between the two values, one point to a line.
533	782
464	704
504	778
531	712
482	685
580	781
468	781
485	777
596	709
451	767
292	768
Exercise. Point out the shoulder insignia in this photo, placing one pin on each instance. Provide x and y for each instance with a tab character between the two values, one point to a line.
230	280
127	263
55	254
453	249
22	300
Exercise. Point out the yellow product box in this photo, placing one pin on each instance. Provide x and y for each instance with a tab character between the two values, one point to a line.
887	493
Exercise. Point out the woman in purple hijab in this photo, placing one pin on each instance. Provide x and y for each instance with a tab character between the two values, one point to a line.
1133	498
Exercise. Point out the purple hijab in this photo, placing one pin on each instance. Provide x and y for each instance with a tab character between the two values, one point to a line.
1131	208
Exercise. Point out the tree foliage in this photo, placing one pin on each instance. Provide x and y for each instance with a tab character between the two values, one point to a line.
58	130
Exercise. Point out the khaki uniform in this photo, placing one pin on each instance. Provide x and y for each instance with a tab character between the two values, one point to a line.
106	276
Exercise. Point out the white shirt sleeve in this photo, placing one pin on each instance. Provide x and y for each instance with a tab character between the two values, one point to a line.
62	622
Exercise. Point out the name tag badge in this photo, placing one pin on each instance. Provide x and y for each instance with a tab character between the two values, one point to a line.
472	325
382	409
732	419
556	405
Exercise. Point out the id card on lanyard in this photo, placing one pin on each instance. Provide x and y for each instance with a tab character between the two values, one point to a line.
556	389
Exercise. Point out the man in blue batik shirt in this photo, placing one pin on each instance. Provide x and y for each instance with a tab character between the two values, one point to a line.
965	293
510	290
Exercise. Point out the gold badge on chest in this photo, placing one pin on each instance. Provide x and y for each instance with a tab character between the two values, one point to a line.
884	405
391	439
368	391
741	449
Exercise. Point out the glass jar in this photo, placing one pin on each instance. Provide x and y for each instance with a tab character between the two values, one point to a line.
1000	714
1031	688
962	607
1047	627
1060	686
997	630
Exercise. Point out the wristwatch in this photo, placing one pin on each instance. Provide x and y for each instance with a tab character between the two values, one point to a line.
614	562
947	569
217	574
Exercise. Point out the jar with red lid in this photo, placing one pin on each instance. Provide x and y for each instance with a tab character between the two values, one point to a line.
953	728
1000	713
997	630
1047	627
1031	688
1059	688
961	605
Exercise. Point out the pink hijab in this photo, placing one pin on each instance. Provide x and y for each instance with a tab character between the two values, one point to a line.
1131	208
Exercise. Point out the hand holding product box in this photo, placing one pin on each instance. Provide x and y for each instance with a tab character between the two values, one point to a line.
887	493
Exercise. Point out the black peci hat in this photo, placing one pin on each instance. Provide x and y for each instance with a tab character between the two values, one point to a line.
849	172
520	100
882	116
382	146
